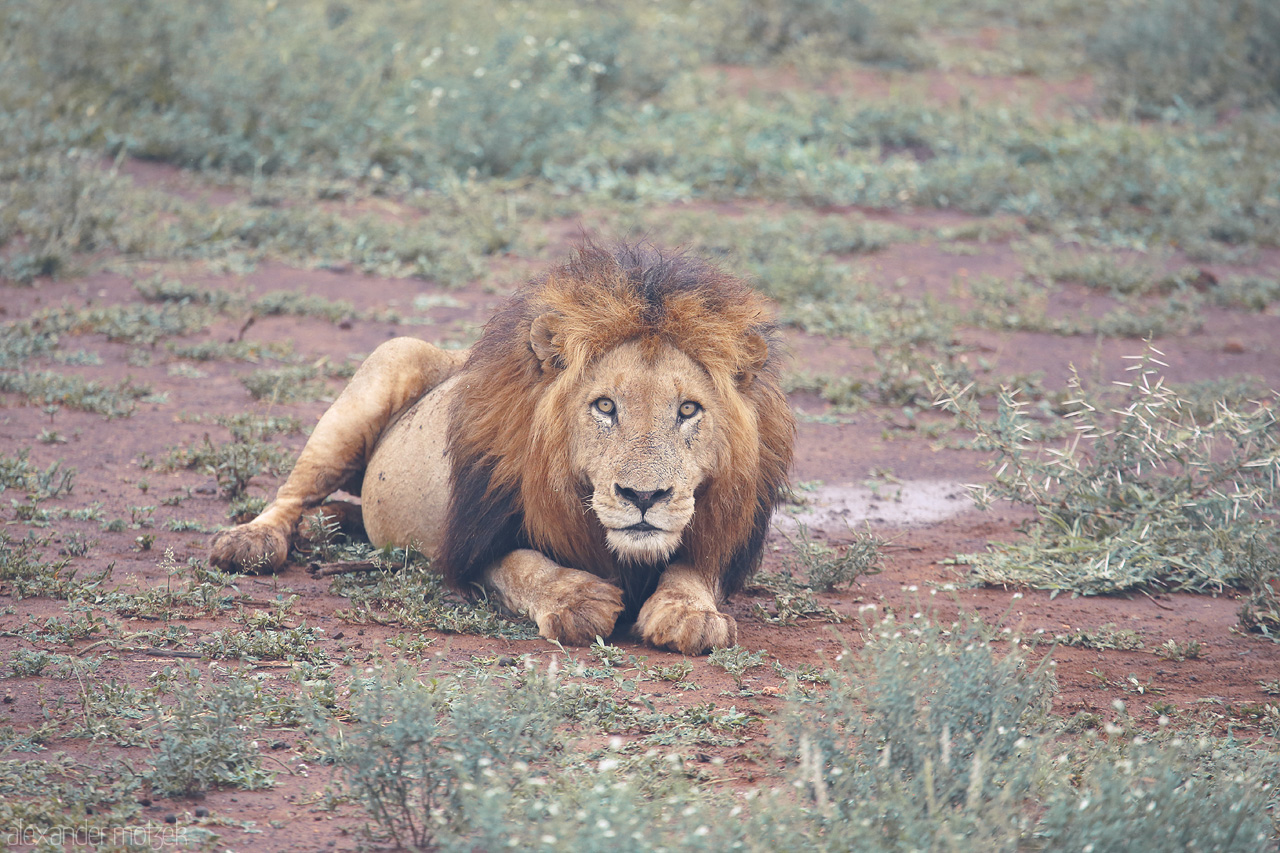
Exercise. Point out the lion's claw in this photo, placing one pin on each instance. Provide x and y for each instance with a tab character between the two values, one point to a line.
669	621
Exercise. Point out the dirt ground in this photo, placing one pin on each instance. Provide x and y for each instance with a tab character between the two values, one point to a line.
921	507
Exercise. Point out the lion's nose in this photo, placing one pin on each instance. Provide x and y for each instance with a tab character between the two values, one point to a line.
642	499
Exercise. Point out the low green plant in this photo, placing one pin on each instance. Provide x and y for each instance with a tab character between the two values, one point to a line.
760	30
827	567
1144	494
33	662
1176	796
202	741
46	387
62	205
286	644
237	462
924	740
1173	650
1106	636
597	810
421	751
1260	609
1247	292
41	799
295	384
17	473
403	589
25	571
190	589
736	661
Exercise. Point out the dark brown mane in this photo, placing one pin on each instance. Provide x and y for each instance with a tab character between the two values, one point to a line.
511	482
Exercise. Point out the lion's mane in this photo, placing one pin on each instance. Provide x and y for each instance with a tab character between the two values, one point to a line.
512	482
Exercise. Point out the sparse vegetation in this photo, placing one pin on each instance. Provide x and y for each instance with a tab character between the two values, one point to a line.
826	567
403	589
202	744
1165	57
185	187
247	455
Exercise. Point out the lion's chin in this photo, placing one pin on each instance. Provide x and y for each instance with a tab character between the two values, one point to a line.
643	546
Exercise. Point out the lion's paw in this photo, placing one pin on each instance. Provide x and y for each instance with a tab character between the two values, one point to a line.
579	607
252	548
673	622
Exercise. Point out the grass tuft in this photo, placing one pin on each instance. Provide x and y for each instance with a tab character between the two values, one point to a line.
1144	494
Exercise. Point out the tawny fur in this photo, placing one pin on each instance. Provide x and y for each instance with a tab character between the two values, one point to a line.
531	470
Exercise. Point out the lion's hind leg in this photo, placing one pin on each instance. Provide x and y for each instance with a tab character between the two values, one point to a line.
392	378
331	518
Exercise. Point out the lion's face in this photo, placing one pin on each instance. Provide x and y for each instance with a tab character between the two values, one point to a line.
643	438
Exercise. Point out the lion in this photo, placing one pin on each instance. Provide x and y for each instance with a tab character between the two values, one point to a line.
611	450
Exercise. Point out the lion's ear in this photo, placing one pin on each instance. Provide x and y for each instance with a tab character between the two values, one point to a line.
542	340
756	348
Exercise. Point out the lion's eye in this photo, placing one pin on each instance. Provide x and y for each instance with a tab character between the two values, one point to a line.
605	406
688	409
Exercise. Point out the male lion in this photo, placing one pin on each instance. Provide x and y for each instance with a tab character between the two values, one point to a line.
616	441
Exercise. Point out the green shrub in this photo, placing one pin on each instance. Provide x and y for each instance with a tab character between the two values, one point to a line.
597	811
62	205
925	739
203	743
420	751
1172	54
1157	798
1144	494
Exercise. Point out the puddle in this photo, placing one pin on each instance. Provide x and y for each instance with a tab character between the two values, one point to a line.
835	509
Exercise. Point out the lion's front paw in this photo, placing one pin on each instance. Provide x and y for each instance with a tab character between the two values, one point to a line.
674	622
252	548
578	608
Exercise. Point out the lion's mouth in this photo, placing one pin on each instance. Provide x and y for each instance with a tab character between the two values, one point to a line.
643	527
